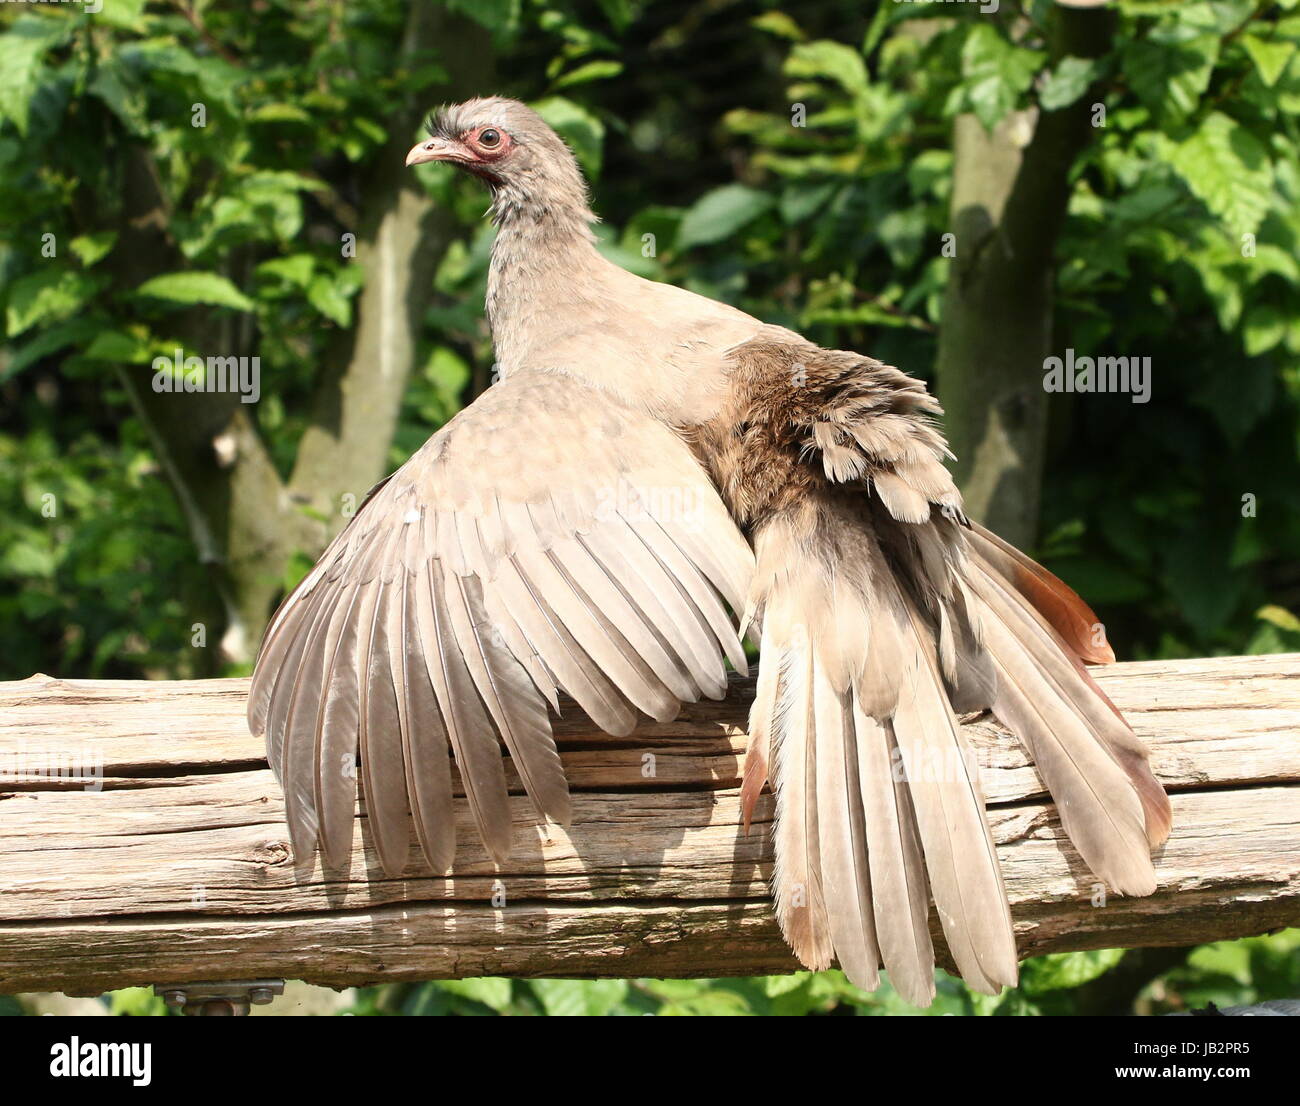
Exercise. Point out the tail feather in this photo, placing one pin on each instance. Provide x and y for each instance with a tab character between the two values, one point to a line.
845	867
964	874
759	748
1111	805
800	905
1055	600
867	655
899	885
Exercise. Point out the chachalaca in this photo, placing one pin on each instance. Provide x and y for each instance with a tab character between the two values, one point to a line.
649	457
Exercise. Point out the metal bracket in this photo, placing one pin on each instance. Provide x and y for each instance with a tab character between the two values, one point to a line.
229	998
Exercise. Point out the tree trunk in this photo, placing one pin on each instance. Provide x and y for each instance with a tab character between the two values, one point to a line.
1009	198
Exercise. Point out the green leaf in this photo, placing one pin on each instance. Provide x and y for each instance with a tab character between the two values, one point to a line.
620	13
1238	400
579	998
498	16
116	85
902	232
193	287
1227	168
1061	970
1280	617
45	296
832	61
561	998
49	341
1270	57
1068	80
219	80
92	248
330	299
802	200
126	14
136	1002
492	991
296	567
719	214
995	73
23	47
584	132
24	558
120	348
1263	328
371	130
1222	286
296	268
592	71
1230	958
273	197
1197	578
779	24
279	113
1170	77
776	985
1271	258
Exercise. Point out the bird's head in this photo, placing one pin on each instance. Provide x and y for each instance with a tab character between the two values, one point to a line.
508	145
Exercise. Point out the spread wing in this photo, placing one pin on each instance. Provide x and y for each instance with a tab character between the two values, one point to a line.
548	538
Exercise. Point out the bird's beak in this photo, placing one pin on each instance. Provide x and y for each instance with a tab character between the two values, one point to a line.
437	149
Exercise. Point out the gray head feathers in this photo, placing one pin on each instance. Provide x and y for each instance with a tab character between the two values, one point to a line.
532	172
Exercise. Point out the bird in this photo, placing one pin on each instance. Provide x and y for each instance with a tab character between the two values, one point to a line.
654	477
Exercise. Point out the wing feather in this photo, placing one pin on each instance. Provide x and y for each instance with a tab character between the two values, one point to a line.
425	750
514	704
701	593
666	606
479	581
382	768
468	726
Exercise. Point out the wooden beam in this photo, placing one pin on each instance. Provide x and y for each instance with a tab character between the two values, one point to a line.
163	857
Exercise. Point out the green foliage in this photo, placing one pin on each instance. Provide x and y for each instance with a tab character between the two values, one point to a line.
1229	973
136	1002
94	586
1234	973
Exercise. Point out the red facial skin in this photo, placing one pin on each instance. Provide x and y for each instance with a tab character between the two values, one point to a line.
467	150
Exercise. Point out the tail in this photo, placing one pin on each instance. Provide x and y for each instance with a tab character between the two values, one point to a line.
874	632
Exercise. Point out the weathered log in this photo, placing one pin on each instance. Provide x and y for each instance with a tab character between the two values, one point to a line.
142	841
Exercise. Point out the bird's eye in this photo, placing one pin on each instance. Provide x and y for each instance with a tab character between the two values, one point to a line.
490	138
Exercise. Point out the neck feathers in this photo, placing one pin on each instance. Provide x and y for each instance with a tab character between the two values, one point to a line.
544	253
548	207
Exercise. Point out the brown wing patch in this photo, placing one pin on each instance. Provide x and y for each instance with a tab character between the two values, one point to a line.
802	418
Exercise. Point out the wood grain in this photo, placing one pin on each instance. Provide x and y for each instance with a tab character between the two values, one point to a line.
142	841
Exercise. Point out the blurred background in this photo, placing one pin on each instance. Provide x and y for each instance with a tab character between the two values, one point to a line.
963	190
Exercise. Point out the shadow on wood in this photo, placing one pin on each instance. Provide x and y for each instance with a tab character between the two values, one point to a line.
142	841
